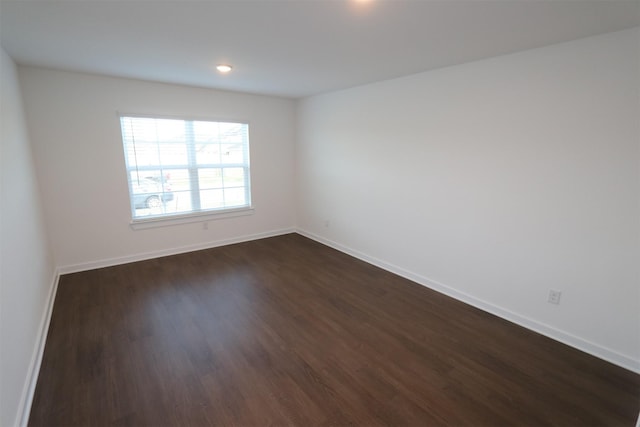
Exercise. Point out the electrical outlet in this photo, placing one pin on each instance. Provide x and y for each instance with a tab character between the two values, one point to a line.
554	296
327	223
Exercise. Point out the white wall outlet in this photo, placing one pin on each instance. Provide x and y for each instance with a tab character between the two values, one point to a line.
327	223
554	296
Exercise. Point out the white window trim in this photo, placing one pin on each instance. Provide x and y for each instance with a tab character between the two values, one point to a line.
191	217
155	222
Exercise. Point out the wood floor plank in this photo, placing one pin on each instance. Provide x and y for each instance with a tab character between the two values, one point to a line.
286	331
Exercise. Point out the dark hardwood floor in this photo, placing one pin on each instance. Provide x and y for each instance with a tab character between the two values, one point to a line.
285	331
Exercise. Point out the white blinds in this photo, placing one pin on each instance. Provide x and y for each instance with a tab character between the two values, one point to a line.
177	167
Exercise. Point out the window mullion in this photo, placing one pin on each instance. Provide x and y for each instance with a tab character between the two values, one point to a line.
246	160
192	165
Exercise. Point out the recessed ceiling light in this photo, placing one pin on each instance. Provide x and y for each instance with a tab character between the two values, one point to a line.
224	68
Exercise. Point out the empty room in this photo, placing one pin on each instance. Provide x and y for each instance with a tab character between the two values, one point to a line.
320	212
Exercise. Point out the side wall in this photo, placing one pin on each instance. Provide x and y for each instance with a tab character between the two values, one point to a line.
75	131
26	269
494	181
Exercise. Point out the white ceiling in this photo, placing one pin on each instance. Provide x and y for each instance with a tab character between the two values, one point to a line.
291	48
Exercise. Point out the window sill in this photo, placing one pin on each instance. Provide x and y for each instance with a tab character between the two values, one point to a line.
143	224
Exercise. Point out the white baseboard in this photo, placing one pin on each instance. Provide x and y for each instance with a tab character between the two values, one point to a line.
24	409
26	399
171	251
549	331
534	325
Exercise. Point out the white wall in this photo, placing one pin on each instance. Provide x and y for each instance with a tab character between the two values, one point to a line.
494	181
26	267
76	139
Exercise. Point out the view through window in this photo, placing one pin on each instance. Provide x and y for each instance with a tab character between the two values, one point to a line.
179	167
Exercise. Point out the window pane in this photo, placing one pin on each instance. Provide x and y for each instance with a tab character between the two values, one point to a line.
212	199
232	153
233	177
208	154
210	178
168	130
206	131
234	197
139	130
232	132
180	180
143	154
182	202
150	192
142	183
173	154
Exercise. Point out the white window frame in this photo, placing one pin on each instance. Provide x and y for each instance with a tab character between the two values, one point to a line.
200	215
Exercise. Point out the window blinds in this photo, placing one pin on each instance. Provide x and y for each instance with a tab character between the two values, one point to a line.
177	167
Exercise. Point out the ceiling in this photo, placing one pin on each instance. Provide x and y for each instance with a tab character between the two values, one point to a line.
292	48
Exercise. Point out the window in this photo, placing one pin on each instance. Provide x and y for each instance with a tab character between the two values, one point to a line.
185	167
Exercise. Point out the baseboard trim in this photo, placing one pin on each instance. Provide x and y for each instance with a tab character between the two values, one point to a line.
36	359
26	399
534	325
75	268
